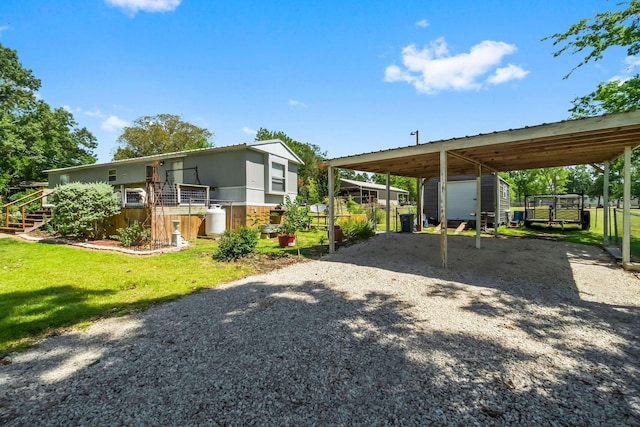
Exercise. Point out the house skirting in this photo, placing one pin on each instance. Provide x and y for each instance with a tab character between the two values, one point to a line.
192	221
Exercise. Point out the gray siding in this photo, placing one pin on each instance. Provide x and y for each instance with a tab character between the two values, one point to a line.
225	169
239	175
255	170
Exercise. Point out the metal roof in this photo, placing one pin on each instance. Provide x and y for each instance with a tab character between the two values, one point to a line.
565	143
360	184
255	145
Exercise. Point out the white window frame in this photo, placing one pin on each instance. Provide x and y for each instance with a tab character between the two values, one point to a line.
271	160
112	173
64	179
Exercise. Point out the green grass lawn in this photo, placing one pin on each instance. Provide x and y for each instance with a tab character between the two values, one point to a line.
570	233
573	233
46	286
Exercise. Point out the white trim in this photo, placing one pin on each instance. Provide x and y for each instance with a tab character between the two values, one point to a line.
271	160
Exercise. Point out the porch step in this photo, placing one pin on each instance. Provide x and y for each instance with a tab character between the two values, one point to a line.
12	229
31	222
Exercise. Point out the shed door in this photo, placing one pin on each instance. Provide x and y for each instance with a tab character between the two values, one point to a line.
461	200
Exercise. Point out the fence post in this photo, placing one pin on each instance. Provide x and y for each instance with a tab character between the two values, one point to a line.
615	224
189	220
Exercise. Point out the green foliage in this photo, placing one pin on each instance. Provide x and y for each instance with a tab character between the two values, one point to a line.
615	96
376	215
30	208
351	174
295	217
236	244
591	38
403	182
162	133
354	229
82	209
34	137
133	235
554	180
323	182
353	207
579	179
313	195
594	36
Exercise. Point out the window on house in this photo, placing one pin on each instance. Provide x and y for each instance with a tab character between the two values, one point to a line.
64	179
112	175
278	182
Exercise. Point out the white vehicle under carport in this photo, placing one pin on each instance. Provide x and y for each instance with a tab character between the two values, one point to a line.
556	209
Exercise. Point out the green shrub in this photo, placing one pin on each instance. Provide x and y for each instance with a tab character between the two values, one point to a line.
82	209
236	244
30	208
353	207
296	217
354	229
376	215
133	235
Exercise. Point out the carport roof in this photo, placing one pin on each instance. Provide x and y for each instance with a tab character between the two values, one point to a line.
566	143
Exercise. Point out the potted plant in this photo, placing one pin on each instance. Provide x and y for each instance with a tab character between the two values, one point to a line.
294	218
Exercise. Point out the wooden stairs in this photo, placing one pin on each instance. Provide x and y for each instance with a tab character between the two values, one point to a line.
19	216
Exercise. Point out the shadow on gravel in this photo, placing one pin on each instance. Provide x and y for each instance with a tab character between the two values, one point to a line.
306	354
28	313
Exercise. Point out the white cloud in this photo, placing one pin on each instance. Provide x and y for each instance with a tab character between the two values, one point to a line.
433	68
113	124
247	129
423	23
632	62
295	103
508	73
132	7
96	113
4	28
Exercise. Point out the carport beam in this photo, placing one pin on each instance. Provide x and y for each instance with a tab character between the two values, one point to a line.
443	208
626	209
330	228
478	204
605	205
388	205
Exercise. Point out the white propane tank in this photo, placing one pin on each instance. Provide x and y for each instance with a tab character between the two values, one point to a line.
215	220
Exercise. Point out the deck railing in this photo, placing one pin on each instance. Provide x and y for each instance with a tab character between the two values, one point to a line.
21	204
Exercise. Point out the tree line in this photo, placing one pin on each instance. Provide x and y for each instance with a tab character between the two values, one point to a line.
35	137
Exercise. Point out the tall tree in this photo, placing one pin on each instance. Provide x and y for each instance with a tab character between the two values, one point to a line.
592	38
310	154
554	180
162	133
404	182
579	179
33	137
525	182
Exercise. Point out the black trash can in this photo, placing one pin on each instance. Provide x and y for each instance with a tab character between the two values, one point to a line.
406	223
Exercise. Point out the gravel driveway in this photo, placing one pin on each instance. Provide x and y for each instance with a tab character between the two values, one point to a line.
521	332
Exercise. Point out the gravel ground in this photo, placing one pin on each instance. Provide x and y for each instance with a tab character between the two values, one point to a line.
522	332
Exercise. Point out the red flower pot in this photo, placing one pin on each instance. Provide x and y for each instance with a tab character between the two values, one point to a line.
286	240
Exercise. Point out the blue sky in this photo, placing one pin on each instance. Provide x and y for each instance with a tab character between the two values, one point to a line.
350	76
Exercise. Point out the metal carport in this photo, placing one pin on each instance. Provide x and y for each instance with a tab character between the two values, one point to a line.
591	140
